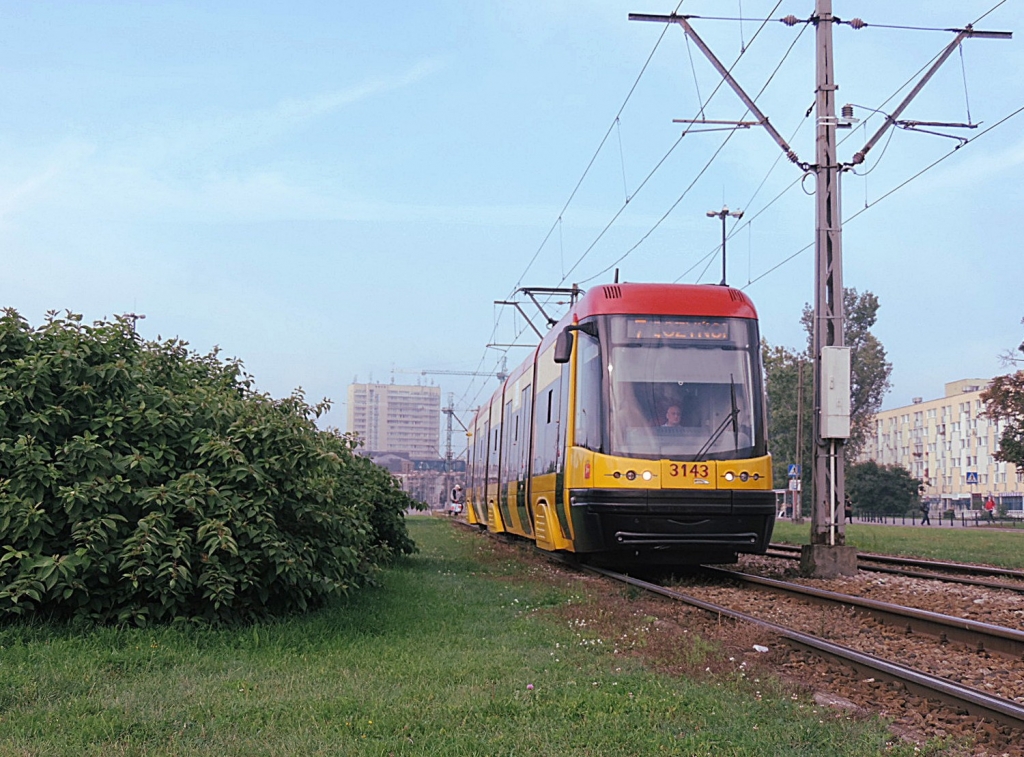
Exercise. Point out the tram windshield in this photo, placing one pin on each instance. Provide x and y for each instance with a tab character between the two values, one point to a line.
681	387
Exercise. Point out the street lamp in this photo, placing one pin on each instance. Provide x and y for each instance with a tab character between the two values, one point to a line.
723	214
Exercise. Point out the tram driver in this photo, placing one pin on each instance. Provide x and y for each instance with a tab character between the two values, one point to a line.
673	417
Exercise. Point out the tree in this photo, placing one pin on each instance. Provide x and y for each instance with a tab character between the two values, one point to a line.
1009	357
882	489
781	366
870	371
869	383
1004	403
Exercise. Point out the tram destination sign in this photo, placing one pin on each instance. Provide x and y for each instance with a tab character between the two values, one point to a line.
676	329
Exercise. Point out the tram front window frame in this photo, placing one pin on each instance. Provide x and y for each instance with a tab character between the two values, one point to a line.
708	369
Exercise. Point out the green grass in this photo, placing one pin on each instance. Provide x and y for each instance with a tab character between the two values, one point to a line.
436	661
988	546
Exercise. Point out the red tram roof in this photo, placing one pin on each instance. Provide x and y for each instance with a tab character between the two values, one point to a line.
665	299
643	299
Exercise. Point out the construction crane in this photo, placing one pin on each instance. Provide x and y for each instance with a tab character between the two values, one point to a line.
501	374
450	412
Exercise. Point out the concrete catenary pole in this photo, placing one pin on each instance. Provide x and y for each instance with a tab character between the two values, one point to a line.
826	555
798	495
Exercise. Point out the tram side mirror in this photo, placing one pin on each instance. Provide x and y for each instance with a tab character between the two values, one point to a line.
563	346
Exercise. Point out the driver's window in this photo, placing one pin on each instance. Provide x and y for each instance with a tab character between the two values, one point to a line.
588	392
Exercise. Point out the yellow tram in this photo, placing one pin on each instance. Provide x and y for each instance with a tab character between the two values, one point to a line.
634	434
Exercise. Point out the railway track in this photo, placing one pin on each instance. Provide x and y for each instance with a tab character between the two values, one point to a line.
980	636
952	693
884	564
938	684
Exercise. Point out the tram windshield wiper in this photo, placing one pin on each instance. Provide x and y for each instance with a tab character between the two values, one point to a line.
730	418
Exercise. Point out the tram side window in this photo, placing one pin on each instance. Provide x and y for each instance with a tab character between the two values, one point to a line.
507	445
563	410
471	463
545	427
480	460
524	438
492	455
588	393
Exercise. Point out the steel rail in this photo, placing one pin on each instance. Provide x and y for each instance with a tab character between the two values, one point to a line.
978	570
787	552
785	547
920	574
945	577
917	562
972	700
985	636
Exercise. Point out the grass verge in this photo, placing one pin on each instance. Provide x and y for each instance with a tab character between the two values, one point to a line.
1003	548
463	650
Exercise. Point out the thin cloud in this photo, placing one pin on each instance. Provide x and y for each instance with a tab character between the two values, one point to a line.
145	177
236	133
67	156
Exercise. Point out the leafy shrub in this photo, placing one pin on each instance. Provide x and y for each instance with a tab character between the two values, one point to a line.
141	483
882	489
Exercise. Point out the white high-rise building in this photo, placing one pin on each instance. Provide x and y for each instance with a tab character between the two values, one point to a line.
950	445
396	418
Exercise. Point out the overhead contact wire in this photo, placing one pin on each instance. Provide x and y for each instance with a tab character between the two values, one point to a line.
597	152
698	176
796	181
579	183
898	187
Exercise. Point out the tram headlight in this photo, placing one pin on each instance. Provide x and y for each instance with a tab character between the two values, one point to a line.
729	476
647	475
630	475
744	476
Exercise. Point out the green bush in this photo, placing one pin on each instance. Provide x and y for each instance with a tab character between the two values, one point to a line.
141	482
882	489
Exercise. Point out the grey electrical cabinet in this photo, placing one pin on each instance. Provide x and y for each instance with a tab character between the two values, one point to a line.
835	393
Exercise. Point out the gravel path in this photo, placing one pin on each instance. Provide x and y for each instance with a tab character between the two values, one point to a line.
1002	608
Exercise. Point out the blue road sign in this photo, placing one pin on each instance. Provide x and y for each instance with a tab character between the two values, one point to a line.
972	477
794	471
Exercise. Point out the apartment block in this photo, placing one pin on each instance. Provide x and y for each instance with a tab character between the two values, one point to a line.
396	418
950	445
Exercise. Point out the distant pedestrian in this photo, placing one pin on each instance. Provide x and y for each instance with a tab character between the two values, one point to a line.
924	513
990	508
456	499
848	509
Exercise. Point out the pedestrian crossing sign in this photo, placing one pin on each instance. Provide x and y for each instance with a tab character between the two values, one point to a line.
972	477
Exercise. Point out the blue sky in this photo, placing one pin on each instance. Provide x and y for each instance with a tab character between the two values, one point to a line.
332	190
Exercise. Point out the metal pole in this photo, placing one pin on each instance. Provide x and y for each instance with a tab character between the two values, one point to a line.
829	480
798	504
723	246
723	214
449	411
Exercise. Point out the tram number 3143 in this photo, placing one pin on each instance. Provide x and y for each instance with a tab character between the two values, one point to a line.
697	470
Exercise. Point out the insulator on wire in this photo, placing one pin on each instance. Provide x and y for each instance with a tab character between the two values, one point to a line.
847	111
790	20
857	23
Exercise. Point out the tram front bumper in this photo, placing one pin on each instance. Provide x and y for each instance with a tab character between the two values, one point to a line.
614	520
